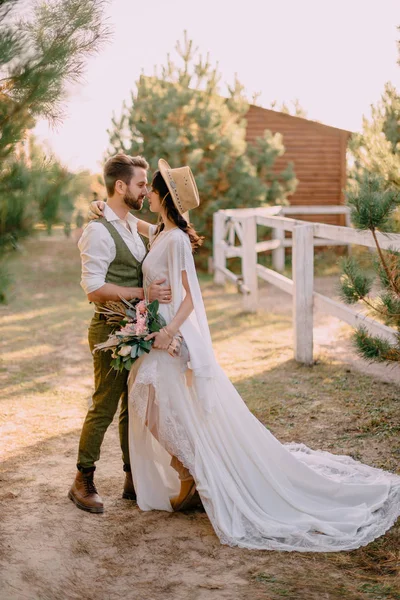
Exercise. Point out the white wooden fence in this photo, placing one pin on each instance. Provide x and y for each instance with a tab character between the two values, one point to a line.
240	225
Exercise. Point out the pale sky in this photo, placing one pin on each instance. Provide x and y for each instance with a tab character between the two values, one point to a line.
333	55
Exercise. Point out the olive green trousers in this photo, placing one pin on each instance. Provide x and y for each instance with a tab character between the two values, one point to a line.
110	387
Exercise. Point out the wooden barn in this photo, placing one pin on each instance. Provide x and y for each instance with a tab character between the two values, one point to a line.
319	155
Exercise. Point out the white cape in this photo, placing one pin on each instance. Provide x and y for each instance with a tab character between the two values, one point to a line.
257	492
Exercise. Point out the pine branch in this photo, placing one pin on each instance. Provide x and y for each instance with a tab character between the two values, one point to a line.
61	36
393	263
375	348
390	309
355	284
391	279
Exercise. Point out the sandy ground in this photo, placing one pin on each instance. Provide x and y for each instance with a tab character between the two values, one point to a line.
49	550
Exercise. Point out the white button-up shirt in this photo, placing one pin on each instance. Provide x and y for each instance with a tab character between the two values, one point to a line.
98	250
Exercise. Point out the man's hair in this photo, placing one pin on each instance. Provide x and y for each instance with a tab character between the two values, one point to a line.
121	167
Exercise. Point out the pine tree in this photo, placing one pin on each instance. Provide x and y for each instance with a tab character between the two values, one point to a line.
39	58
373	205
377	148
51	184
374	200
180	115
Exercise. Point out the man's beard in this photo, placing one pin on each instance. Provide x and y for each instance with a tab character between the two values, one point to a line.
132	202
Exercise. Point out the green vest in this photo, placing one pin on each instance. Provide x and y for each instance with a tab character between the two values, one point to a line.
125	270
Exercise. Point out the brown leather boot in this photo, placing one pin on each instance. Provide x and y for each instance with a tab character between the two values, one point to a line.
84	494
129	489
188	496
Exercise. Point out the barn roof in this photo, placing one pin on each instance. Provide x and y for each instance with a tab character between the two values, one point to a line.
293	119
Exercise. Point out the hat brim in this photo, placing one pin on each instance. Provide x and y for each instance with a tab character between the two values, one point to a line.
164	167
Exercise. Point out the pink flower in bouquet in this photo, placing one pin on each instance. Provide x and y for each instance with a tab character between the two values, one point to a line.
141	325
141	308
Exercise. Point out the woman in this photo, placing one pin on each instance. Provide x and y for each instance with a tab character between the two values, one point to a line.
191	430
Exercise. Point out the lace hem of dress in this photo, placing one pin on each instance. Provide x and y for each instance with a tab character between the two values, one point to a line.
346	469
170	432
314	541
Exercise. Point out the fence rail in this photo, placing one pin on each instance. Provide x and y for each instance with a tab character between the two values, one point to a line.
240	225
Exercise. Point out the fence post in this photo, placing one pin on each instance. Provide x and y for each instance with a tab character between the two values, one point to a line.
249	263
303	280
278	255
219	258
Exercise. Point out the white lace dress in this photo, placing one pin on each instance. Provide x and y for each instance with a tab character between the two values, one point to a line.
258	493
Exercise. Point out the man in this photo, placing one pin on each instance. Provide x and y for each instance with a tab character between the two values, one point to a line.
112	252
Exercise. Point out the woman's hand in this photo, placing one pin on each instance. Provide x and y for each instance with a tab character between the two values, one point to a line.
96	209
161	339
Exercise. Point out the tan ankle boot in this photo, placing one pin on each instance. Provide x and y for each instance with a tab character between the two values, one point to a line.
129	489
84	494
188	496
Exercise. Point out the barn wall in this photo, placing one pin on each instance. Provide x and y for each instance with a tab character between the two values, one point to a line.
317	151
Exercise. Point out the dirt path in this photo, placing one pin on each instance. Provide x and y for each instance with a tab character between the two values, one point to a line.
49	550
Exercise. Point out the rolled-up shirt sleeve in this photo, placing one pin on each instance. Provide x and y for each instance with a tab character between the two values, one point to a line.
97	250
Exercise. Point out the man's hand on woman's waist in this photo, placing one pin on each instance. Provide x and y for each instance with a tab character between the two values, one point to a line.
158	291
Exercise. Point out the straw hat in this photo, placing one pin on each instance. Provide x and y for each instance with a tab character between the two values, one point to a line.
181	185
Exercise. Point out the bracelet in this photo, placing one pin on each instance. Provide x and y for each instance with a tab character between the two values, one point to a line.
168	333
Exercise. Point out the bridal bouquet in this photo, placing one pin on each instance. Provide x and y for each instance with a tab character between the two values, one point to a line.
136	320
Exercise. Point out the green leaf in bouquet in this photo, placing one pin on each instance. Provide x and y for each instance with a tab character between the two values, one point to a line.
152	308
128	364
134	351
140	351
146	345
162	322
154	326
131	313
117	364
